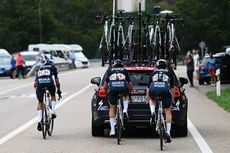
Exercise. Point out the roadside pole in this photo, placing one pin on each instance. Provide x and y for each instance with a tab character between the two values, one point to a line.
218	87
202	45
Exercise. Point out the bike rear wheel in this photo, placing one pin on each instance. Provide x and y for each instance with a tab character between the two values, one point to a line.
161	134
44	122
119	127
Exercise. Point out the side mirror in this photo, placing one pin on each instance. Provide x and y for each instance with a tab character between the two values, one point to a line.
183	81
96	80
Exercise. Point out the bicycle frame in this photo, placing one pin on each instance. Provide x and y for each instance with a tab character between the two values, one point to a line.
130	40
157	41
119	119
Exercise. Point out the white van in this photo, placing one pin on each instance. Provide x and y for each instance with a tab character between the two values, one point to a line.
52	51
80	59
61	51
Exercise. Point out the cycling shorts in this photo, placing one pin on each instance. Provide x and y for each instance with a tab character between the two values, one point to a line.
113	96
40	91
166	99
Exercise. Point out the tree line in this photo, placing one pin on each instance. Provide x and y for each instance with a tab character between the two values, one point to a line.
24	22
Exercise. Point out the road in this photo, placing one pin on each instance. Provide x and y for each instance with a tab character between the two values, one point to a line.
209	129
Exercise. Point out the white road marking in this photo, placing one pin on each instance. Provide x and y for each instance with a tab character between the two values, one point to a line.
19	87
24	96
32	121
31	84
202	144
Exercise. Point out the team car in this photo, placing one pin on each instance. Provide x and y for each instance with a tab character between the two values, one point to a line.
138	110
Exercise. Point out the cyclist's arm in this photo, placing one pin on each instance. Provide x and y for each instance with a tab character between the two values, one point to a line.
105	85
148	88
172	84
130	85
55	73
36	77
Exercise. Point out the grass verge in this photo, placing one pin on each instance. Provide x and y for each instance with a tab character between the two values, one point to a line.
223	100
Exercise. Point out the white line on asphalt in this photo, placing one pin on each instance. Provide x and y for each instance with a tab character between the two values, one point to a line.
32	121
15	88
204	147
31	84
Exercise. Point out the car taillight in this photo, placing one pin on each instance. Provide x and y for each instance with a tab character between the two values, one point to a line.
102	93
134	91
203	67
176	92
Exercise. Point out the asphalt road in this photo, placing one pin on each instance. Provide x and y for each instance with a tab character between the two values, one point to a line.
209	129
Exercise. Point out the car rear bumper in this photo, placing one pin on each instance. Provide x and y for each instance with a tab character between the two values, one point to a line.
138	118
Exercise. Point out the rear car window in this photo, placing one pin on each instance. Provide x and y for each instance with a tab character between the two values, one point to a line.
219	59
139	78
205	61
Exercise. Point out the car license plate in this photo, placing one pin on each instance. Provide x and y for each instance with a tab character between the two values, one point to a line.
138	99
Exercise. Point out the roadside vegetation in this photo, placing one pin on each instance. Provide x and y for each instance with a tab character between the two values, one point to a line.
223	100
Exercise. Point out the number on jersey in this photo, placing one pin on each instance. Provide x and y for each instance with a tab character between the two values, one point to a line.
43	73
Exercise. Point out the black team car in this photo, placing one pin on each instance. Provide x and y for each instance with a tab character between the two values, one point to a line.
138	110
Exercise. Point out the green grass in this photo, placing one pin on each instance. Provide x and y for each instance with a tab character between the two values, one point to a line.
223	100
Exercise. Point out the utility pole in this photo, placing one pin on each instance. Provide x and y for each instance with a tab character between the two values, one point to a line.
40	20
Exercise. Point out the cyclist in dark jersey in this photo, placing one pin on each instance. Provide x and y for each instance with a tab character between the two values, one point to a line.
44	78
161	81
117	81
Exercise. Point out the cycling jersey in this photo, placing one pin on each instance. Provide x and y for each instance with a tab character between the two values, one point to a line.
160	82
118	79
45	73
161	75
44	78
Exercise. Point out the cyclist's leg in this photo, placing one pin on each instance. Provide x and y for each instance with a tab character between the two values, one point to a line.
112	97
152	106
152	102
167	102
52	90
126	101
39	94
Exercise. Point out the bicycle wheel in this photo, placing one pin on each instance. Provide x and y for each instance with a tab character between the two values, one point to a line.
51	126
44	122
119	127
161	134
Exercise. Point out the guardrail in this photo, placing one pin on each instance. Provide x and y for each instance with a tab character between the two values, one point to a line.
61	66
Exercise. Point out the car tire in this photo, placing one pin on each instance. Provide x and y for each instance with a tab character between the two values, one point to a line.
181	130
97	130
201	82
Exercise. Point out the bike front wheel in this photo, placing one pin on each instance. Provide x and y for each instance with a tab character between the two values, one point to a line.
44	122
50	127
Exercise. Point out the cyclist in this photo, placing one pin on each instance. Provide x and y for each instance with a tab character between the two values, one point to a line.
161	81
117	81
44	78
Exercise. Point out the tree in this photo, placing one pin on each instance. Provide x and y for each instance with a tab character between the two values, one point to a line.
204	20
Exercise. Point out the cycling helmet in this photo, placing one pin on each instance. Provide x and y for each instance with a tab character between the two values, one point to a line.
118	63
161	63
47	61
